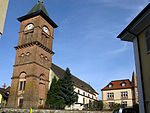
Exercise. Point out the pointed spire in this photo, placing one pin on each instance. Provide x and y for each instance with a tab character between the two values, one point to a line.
40	1
38	7
134	80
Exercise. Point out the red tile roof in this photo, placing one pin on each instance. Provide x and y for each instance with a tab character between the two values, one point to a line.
117	85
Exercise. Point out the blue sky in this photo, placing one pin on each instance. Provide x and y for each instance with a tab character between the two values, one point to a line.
85	40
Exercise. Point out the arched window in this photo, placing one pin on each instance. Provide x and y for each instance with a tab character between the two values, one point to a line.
27	56
42	91
22	58
46	58
22	81
41	58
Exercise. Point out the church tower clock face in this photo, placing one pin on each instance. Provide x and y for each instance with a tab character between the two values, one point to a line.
29	26
45	29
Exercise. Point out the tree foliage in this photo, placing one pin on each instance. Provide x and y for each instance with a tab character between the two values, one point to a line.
116	105
61	92
67	89
54	100
94	105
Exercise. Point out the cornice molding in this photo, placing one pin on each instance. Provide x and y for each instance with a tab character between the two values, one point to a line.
32	44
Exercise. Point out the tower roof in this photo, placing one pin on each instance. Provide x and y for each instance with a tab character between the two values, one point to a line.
134	80
38	9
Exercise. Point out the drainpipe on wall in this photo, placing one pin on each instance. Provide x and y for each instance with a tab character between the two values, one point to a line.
141	97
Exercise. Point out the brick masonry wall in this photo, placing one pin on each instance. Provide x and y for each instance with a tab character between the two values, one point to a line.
47	111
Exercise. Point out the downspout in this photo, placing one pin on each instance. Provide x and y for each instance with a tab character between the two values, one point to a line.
138	57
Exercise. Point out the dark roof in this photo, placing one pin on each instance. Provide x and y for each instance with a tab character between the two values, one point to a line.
7	89
39	6
117	85
77	82
134	20
4	93
38	9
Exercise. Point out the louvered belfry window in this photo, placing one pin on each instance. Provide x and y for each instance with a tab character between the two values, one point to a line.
147	38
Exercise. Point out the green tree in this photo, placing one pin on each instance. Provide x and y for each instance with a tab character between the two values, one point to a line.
54	99
116	105
94	105
67	89
98	105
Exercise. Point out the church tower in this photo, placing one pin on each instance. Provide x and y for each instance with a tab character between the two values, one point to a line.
135	89
30	78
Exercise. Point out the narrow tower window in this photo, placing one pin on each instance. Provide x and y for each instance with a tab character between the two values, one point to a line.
27	56
22	58
22	81
41	58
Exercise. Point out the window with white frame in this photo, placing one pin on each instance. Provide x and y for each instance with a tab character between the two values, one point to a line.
124	94
124	103
110	95
22	81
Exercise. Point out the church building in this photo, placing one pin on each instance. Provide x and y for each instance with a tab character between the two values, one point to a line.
33	69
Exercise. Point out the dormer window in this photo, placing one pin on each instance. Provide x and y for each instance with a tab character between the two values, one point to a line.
123	84
110	85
